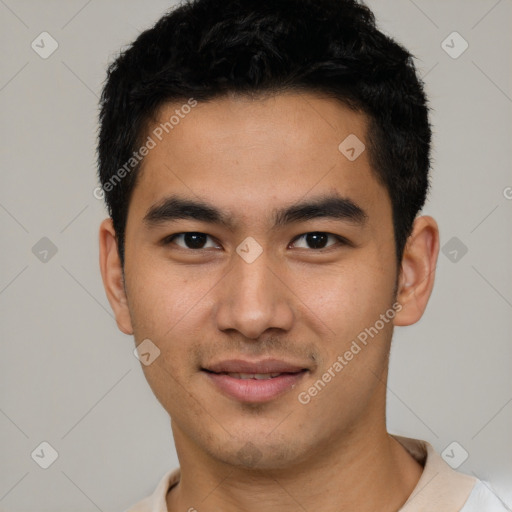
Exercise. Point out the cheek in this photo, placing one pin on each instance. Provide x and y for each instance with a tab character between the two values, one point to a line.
164	300
347	297
166	308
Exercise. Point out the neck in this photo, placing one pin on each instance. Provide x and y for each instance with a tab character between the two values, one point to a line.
366	470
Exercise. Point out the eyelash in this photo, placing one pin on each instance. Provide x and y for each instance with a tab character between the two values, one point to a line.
341	240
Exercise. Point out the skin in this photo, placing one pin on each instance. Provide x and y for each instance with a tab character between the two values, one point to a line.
247	157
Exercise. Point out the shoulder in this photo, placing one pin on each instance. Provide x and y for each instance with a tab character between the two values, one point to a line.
442	488
484	499
157	501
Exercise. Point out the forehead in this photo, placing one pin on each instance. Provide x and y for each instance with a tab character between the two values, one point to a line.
248	155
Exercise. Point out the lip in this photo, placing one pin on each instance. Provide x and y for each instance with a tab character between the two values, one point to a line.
261	366
254	390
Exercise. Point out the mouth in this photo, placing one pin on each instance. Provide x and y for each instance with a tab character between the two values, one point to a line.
254	382
256	376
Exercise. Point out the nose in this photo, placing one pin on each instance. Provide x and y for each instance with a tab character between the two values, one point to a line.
254	298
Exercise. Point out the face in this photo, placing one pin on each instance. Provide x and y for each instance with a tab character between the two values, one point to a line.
285	260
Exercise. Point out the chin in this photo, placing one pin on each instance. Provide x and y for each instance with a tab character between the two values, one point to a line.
260	453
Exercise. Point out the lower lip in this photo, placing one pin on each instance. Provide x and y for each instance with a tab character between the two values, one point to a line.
253	390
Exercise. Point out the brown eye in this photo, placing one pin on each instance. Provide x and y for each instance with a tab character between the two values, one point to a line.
318	240
191	240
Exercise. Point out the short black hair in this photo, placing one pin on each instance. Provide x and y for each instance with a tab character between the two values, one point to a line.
206	49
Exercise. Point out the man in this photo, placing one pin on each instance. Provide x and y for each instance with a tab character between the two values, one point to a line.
264	164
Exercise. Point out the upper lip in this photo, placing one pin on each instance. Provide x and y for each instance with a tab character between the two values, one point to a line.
261	366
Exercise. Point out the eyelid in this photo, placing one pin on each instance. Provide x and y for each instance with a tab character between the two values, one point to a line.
340	239
170	238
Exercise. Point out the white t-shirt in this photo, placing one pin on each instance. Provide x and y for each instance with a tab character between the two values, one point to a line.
439	489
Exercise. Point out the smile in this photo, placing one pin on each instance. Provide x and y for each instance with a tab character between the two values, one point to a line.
254	387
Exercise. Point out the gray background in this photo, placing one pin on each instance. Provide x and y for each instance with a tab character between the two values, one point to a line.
69	377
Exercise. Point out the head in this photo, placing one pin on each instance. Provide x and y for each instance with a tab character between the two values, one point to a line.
291	140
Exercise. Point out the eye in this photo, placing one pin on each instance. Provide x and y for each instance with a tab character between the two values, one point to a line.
192	240
318	239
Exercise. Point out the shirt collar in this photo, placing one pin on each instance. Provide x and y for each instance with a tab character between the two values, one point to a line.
439	487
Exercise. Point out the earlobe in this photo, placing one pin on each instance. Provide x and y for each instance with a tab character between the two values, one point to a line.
417	273
112	275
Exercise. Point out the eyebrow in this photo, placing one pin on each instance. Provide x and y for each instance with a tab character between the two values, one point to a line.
330	206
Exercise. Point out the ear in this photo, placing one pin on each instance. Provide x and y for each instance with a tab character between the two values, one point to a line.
112	275
417	272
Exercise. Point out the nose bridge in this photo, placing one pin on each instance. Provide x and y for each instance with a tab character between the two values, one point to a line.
252	298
